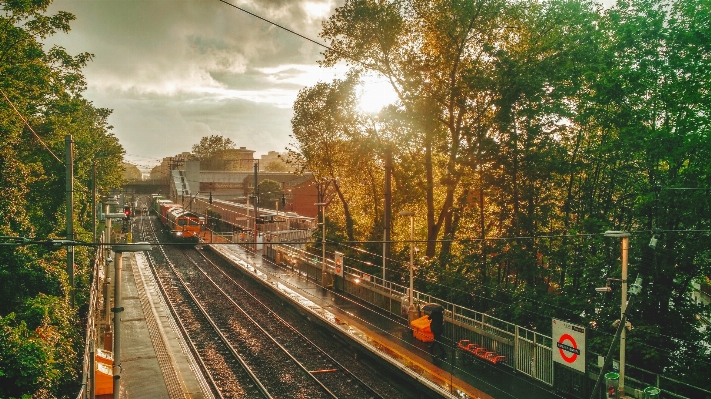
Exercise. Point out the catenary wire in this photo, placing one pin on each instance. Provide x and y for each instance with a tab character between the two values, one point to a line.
30	127
276	24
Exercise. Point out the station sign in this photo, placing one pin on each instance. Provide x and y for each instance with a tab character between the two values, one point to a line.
569	345
338	259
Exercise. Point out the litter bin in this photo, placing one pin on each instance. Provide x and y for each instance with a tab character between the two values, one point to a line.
612	381
651	393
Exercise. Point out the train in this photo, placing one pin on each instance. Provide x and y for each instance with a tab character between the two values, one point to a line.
181	224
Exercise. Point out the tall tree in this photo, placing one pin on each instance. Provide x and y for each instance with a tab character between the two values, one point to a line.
270	192
327	130
421	47
651	100
40	104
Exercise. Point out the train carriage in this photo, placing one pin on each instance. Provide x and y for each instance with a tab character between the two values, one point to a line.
181	224
158	203
164	209
184	225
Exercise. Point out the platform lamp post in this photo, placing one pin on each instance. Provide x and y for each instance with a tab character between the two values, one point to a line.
322	207
93	200
625	236
108	202
411	312
117	309
111	201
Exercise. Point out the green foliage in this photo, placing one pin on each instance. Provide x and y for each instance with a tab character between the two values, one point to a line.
26	359
276	166
331	141
208	150
523	131
39	336
270	192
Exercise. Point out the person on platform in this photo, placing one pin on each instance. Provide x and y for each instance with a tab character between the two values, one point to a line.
436	318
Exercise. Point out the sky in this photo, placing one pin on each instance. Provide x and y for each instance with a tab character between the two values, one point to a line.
174	71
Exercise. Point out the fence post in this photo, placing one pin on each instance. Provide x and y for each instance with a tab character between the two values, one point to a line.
516	348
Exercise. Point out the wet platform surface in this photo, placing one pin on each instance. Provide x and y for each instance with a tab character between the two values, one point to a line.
155	361
389	335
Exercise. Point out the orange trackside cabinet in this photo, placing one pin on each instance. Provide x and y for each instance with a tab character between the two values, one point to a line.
104	372
421	329
104	379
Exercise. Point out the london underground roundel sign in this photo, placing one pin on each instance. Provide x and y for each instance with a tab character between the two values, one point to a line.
569	345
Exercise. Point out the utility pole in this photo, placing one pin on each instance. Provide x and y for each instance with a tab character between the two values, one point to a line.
117	309
635	289
93	199
324	274
411	310
69	150
625	236
387	209
256	199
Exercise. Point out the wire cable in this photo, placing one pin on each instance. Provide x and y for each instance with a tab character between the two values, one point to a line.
276	24
30	127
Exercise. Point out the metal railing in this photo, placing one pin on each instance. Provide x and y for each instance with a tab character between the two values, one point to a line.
88	366
527	351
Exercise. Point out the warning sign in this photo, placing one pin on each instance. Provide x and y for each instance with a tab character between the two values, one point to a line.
338	259
569	345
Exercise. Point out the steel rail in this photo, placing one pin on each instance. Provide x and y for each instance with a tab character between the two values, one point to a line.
284	350
179	323
284	323
184	330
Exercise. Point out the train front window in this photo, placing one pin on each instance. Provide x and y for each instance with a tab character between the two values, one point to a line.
194	222
182	222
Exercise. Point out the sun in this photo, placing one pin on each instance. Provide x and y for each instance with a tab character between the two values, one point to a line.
374	94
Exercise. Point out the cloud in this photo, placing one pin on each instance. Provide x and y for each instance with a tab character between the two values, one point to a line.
177	70
174	124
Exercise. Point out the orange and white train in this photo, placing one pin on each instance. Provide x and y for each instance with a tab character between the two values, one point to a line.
181	224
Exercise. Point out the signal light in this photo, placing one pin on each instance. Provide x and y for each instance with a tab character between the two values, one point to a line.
127	211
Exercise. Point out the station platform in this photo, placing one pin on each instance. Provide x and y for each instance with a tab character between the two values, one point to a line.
155	360
157	364
390	337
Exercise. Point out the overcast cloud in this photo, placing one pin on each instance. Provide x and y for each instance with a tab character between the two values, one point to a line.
174	71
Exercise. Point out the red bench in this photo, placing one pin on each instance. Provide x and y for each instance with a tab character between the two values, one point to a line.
480	352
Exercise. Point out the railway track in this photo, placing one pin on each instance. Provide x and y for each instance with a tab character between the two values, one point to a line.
219	363
330	373
245	348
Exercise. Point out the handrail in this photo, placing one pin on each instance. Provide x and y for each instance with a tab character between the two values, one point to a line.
90	336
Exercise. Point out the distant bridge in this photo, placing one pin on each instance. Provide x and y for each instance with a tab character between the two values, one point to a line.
147	186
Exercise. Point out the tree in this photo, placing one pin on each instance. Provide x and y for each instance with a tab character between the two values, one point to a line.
209	147
270	192
421	48
521	121
327	131
650	103
38	327
276	166
131	171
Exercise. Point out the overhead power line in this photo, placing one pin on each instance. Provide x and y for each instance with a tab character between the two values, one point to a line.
30	127
276	24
